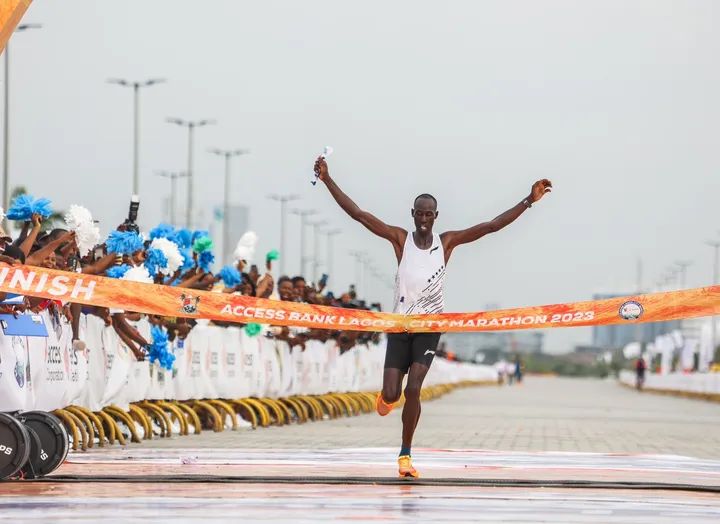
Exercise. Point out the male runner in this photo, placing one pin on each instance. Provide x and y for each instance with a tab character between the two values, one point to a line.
422	257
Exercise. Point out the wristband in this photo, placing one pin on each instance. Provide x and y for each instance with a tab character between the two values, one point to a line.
526	202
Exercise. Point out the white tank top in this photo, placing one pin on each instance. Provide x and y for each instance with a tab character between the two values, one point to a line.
420	280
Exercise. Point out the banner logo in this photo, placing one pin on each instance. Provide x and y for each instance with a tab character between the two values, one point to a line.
631	310
189	303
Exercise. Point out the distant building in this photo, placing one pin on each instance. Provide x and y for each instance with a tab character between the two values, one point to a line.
591	350
487	347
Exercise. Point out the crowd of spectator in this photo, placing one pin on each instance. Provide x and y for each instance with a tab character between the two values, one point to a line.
165	256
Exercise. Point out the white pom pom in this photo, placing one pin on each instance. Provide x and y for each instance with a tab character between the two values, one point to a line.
87	234
245	249
2	214
172	253
138	274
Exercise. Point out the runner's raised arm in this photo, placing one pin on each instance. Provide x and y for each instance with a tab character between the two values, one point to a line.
396	235
452	239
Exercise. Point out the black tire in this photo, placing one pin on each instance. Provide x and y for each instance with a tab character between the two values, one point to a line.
15	446
54	442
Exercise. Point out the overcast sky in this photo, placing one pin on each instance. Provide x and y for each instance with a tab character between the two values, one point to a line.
615	101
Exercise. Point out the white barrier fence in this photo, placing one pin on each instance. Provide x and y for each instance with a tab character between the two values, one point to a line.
702	383
45	373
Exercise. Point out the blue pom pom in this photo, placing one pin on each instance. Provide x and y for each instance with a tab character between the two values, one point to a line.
124	242
158	350
117	271
205	261
162	231
23	207
198	234
182	237
188	261
230	276
168	360
154	260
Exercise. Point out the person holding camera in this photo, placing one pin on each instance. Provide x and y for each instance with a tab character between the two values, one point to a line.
422	257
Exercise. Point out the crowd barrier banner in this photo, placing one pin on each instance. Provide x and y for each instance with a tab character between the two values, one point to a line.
173	301
699	383
47	373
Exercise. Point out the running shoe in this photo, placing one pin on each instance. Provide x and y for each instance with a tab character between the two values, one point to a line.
382	407
406	469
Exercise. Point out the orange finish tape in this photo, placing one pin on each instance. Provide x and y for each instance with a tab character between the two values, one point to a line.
174	302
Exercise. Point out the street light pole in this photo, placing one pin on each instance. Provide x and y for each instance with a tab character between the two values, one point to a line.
173	190
303	213
671	277
6	118
228	154
716	267
375	272
316	247
283	199
191	125
682	266
330	234
6	131
136	122
359	261
682	270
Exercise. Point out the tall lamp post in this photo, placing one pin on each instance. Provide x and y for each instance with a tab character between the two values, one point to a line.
360	257
682	266
716	267
303	214
6	119
191	125
228	154
316	247
330	251
173	176
283	199
136	121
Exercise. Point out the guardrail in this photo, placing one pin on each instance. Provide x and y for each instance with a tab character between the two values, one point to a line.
705	386
222	378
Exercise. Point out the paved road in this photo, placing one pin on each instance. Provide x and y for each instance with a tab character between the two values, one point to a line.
544	414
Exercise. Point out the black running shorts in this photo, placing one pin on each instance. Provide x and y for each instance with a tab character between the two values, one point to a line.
405	348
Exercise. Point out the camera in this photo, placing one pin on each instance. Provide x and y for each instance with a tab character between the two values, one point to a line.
72	263
131	220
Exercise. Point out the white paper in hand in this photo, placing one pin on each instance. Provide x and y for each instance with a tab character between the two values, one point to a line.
327	151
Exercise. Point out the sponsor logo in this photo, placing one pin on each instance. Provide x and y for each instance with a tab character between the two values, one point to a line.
429	352
631	310
20	374
434	249
189	303
19	370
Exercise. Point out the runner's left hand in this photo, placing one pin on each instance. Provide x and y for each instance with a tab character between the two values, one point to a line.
539	189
